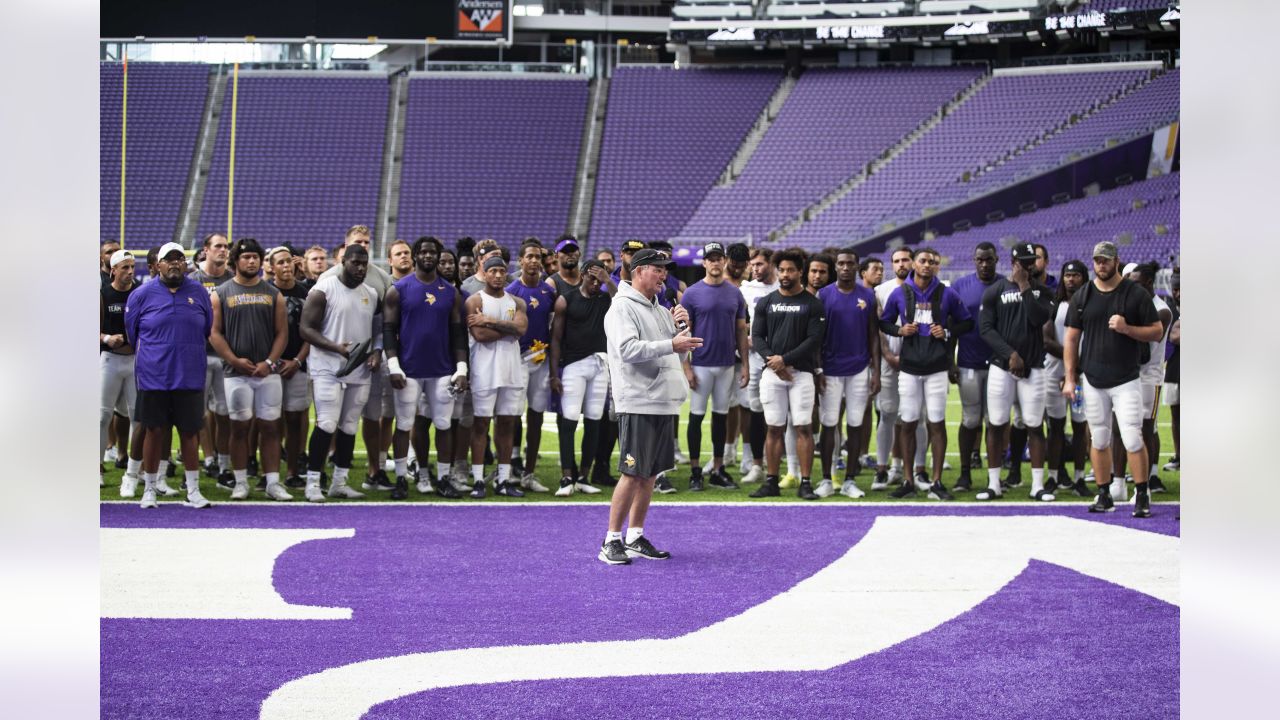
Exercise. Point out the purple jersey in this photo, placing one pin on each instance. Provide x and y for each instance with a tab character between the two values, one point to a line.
845	350
974	353
424	326
539	302
714	311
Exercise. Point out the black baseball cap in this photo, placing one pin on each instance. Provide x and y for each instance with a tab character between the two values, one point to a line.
633	245
661	245
712	248
1075	266
649	256
1024	251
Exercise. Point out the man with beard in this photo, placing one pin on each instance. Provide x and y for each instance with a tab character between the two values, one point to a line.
169	323
818	272
850	367
762	281
426	346
736	422
447	266
974	358
109	247
250	330
1013	313
337	319
606	259
293	368
928	316
1109	324
580	373
1019	430
717	314
496	320
1074	276
211	273
786	332
535	347
623	270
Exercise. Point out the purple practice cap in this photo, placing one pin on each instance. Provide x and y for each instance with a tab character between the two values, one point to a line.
566	243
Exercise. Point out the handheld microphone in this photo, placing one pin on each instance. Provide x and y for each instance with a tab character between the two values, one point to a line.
670	295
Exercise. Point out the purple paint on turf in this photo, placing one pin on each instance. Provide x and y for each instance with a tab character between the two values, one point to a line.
433	578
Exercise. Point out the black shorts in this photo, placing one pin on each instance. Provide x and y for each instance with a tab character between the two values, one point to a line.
183	409
646	444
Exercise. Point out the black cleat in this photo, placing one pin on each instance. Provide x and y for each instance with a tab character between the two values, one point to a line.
227	480
252	467
720	479
922	481
1155	485
122	462
1014	479
805	492
642	548
603	479
975	460
1081	488
663	485
906	489
1104	503
964	483
210	467
508	489
695	479
768	488
401	490
614	553
478	491
1142	504
377	481
881	480
262	483
295	481
445	489
938	492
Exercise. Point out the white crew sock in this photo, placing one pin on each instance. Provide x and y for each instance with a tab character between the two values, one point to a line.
149	481
161	470
193	481
273	479
313	478
401	467
442	470
611	536
242	476
634	533
224	462
504	473
729	453
1037	480
340	475
1079	473
993	479
477	473
748	456
135	467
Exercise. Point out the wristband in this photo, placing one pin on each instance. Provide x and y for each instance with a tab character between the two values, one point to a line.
393	366
461	371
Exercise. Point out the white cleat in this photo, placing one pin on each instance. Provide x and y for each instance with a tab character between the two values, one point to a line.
241	491
314	494
850	490
149	499
343	490
753	475
583	487
681	458
196	500
110	455
277	492
825	489
530	482
424	487
163	488
711	465
128	485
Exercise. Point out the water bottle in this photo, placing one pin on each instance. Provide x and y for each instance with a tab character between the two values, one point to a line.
1077	400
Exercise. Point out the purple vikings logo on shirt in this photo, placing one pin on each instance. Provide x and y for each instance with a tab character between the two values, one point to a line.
431	299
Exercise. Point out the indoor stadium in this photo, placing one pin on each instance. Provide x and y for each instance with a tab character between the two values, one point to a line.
323	222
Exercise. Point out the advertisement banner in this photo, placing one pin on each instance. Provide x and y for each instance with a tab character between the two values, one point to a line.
483	20
1164	145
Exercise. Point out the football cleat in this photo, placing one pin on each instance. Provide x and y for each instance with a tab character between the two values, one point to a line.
277	492
148	499
196	500
566	487
825	489
938	491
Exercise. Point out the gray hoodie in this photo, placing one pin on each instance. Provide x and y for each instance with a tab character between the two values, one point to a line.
645	372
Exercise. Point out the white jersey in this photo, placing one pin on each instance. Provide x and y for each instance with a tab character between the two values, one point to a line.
348	318
1153	367
497	364
883	290
1054	367
752	291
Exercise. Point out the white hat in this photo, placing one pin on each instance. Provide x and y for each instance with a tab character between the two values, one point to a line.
169	247
120	256
1129	268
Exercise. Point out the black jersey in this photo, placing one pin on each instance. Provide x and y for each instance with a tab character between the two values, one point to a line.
583	325
792	327
113	302
1108	358
294	298
1012	320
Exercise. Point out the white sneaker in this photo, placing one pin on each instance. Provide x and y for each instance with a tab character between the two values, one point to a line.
424	487
895	475
128	485
530	482
149	499
824	489
196	500
850	490
1172	465
314	494
460	485
753	475
344	491
565	489
241	491
745	467
276	491
681	458
163	488
110	455
585	488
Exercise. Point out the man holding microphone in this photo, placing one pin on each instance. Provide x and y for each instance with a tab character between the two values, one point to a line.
644	349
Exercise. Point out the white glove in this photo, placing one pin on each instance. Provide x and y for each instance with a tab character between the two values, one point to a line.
461	372
393	366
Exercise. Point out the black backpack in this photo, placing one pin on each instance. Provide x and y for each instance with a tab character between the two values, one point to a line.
1118	300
